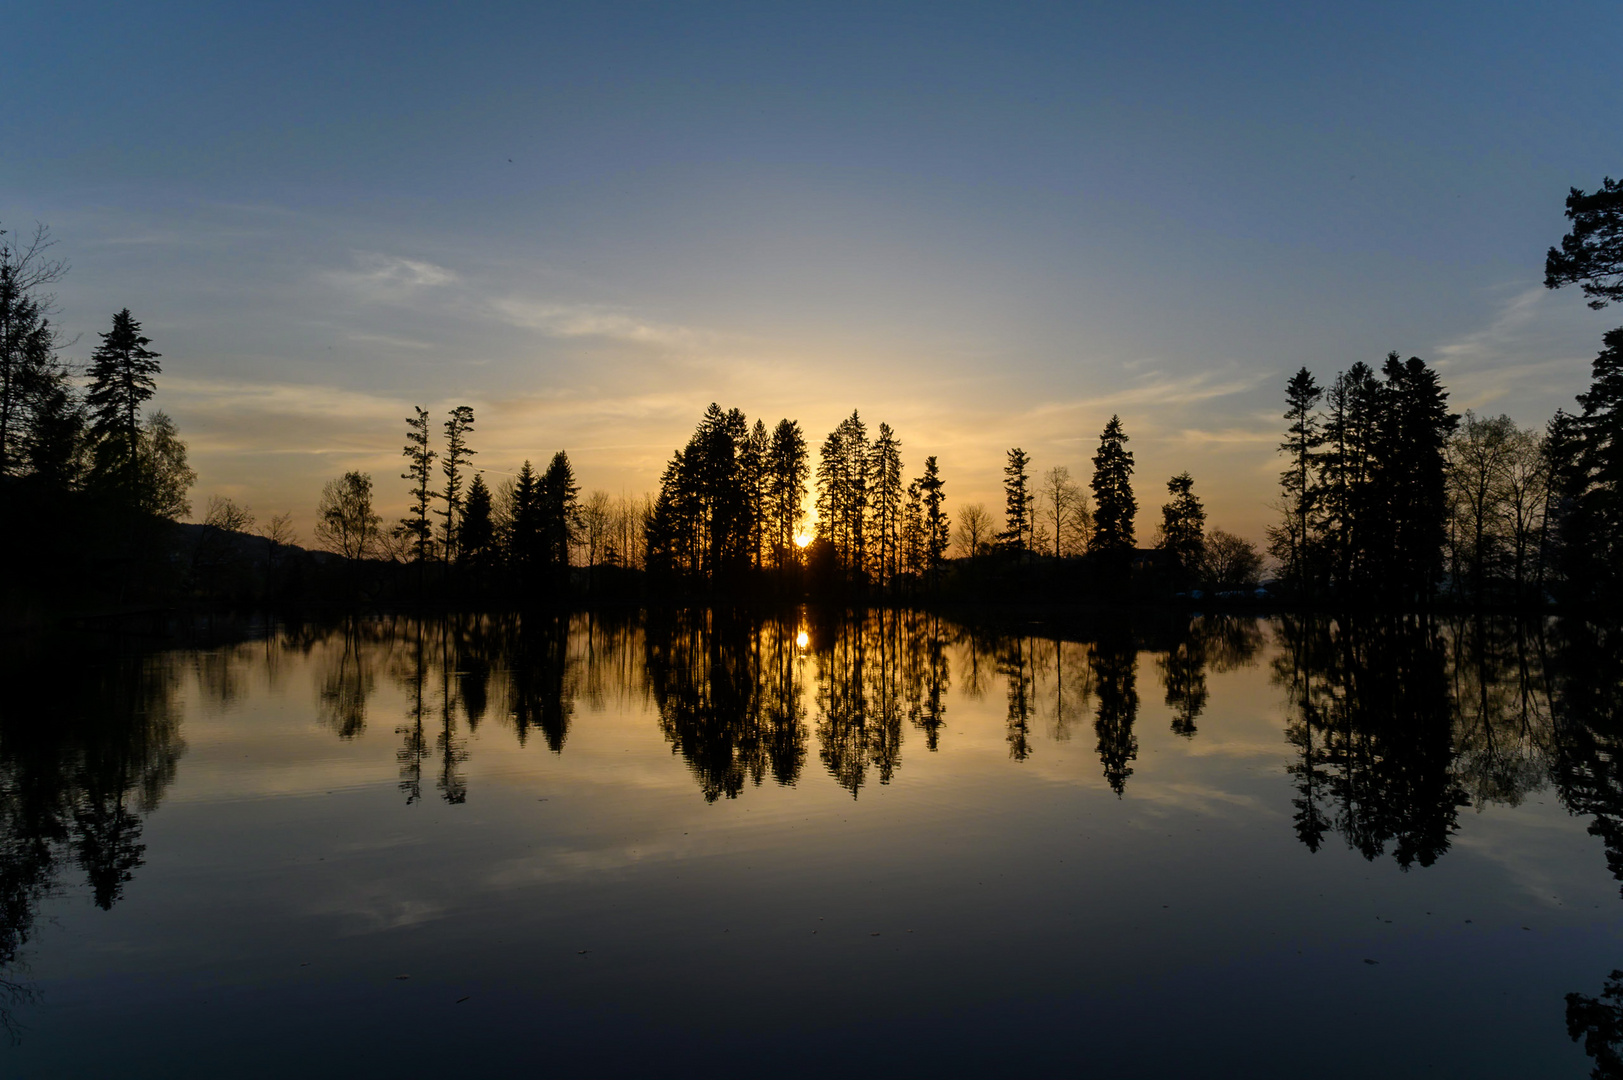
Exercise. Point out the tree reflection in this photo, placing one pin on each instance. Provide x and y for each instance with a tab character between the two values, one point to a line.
1372	722
87	748
726	687
1115	668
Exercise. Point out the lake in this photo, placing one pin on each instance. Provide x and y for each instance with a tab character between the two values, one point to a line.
803	843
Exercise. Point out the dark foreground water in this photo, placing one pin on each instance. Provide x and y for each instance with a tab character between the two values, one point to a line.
821	844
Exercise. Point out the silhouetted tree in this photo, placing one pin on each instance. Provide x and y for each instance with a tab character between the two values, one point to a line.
788	468
476	531
123	377
1302	442
884	467
419	470
526	529
937	525
842	495
1592	520
457	456
1411	470
1066	512
35	395
1017	499
561	514
1228	561
1591	254
974	530
345	522
1114	505
1183	526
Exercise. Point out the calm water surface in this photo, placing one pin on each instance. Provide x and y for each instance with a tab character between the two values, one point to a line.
813	844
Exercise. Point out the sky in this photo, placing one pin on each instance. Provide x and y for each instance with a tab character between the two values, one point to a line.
989	225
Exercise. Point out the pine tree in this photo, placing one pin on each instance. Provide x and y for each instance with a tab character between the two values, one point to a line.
1302	442
420	471
788	470
1017	500
457	456
937	526
1183	525
1593	528
884	467
1114	505
123	377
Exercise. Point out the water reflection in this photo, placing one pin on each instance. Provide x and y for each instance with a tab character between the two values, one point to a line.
88	746
1397	726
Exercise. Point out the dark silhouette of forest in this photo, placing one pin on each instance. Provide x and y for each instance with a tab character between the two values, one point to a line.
1388	499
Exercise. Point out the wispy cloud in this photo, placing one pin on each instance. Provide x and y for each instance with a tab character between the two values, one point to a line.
1501	340
591	320
389	278
1157	388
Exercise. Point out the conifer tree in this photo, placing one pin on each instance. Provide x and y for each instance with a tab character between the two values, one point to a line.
1114	505
937	526
913	531
457	454
788	470
752	477
420	471
842	494
526	527
1183	525
884	469
1591	254
1017	500
1593	527
476	529
561	514
1302	442
123	377
1411	438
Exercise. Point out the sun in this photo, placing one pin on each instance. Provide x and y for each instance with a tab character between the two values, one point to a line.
802	540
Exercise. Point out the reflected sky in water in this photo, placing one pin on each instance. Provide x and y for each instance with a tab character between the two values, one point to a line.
718	843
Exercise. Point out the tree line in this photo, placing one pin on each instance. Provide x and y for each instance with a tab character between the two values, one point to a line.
1390	497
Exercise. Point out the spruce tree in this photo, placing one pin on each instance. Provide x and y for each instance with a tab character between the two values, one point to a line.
560	513
1017	500
1112	484
123	377
526	528
476	528
1302	442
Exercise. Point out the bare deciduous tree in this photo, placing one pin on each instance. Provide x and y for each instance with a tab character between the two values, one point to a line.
974	533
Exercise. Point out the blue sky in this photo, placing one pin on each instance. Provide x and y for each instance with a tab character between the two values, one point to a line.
989	224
